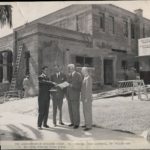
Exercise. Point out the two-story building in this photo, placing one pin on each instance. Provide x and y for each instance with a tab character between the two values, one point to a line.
102	37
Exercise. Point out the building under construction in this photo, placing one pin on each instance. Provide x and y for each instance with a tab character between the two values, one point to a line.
102	37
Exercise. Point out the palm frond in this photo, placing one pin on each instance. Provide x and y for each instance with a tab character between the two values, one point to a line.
5	15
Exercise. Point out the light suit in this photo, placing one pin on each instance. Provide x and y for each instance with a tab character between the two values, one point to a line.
86	98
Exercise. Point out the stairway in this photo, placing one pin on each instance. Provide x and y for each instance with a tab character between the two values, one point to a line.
13	92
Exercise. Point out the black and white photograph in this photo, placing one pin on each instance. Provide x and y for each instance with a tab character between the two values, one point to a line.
75	75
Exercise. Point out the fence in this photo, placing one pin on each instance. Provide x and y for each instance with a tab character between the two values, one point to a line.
133	86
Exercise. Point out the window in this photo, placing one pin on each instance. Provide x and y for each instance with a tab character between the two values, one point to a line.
143	30
132	31
136	66
80	22
84	61
125	28
88	62
79	61
9	65
101	21
111	25
27	59
124	64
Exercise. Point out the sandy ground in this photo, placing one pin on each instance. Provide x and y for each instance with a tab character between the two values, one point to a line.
117	113
117	118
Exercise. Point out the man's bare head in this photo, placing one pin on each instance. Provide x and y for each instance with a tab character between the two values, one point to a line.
71	68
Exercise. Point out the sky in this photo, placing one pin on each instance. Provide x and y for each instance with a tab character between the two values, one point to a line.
24	12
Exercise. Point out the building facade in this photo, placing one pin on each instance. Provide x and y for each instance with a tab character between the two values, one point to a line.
101	37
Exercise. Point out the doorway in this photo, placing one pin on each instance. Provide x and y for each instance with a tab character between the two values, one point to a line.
108	71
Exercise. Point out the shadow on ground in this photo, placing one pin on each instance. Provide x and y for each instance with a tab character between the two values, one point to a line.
8	135
97	133
17	133
36	132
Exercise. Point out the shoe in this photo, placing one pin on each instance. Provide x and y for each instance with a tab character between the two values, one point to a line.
70	125
40	128
75	127
61	123
87	129
83	126
46	126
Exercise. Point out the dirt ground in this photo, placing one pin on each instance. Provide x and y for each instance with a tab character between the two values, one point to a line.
117	113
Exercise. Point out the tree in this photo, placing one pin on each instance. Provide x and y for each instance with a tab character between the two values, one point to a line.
5	15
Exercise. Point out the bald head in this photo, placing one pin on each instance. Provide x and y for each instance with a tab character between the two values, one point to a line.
85	71
71	68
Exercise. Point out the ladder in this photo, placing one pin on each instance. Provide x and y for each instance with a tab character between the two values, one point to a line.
13	92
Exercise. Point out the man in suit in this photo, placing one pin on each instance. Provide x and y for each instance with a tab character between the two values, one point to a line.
58	95
86	98
73	95
44	98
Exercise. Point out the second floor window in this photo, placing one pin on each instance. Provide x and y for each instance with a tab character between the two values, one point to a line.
111	25
143	30
102	21
80	22
132	30
125	28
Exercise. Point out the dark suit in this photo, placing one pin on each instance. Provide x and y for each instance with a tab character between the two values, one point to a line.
58	96
44	99
73	96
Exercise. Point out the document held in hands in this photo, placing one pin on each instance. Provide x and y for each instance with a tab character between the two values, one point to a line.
63	85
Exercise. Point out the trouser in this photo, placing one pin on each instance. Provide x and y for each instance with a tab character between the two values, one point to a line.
74	111
43	112
87	111
57	103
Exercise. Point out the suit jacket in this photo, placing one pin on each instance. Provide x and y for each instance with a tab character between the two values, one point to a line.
86	90
60	79
73	91
44	86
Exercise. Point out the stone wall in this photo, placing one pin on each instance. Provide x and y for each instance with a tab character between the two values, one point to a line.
66	17
116	40
6	43
29	38
54	43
